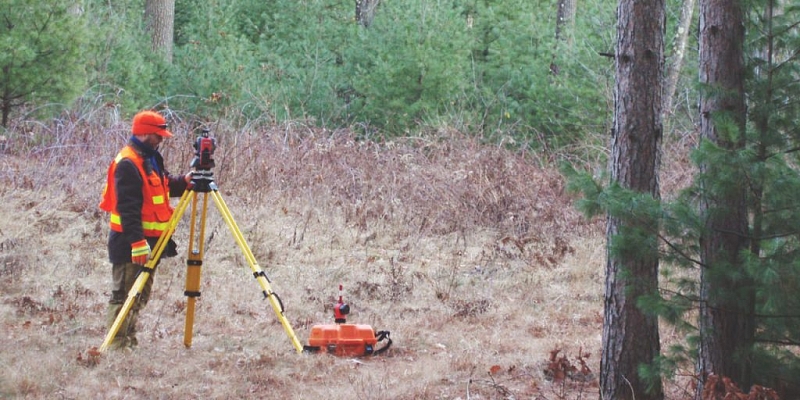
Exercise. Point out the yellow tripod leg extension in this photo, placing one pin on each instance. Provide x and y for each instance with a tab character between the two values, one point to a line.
194	264
126	307
144	274
258	273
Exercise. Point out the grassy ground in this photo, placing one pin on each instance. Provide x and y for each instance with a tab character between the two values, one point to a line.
472	256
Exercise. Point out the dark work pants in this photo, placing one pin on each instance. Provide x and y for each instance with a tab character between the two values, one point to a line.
123	276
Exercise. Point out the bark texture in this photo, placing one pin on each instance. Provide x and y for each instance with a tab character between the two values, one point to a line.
630	335
565	20
726	301
160	19
365	11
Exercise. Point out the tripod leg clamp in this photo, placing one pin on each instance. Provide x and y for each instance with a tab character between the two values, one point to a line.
261	273
193	278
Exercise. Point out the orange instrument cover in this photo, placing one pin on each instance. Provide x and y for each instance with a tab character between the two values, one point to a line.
347	340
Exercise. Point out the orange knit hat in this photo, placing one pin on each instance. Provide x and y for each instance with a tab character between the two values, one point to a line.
146	122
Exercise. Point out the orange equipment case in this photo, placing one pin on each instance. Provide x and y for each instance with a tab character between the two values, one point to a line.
343	339
347	340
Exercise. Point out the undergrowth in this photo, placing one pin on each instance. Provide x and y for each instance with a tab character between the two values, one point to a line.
470	253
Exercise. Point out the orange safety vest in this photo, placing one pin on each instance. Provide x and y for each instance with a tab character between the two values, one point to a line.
156	210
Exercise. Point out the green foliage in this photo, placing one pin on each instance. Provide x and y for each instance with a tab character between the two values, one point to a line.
300	48
773	181
514	56
653	373
590	203
639	214
41	50
214	68
410	65
480	65
119	56
184	19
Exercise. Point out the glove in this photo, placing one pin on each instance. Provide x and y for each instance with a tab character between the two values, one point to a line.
140	252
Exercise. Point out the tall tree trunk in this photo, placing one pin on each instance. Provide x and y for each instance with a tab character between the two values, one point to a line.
160	20
6	101
726	298
565	20
365	11
630	335
678	53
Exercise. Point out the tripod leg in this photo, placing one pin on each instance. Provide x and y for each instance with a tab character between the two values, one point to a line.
133	295
258	273
194	263
147	269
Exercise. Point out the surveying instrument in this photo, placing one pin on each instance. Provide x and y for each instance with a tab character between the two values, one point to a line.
202	183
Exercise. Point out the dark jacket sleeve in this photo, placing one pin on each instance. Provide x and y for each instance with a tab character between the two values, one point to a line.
129	200
177	185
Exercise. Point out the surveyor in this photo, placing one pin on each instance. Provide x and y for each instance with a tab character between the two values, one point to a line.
136	194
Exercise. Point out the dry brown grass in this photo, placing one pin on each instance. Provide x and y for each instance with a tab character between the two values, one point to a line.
471	255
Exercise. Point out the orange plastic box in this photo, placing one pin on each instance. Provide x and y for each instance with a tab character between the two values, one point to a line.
348	340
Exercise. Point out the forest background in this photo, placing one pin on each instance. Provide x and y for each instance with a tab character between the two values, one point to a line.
386	124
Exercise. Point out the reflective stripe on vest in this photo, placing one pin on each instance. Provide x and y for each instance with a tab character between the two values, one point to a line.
116	224
156	210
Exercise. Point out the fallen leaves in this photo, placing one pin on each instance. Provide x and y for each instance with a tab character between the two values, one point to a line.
92	357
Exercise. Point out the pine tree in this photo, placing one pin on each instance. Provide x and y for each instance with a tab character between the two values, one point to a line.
745	190
40	54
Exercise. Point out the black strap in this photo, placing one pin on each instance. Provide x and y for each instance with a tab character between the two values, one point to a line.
280	302
381	335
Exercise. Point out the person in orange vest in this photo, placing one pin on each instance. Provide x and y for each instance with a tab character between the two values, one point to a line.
136	194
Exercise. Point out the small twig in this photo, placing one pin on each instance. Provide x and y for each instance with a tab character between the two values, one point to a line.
633	394
70	331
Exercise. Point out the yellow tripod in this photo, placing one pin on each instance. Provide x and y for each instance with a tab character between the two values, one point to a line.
203	182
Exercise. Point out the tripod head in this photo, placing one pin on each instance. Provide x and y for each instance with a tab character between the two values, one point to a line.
204	147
